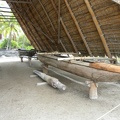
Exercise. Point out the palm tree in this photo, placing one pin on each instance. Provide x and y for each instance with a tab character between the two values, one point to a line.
10	29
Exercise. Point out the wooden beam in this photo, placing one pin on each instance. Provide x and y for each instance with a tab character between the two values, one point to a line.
59	29
38	28
59	2
16	1
48	31
78	28
98	28
66	31
9	18
41	21
54	82
47	15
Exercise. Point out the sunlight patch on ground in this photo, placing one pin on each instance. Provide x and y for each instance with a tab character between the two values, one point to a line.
10	59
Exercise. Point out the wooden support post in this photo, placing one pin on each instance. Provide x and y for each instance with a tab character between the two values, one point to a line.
98	28
21	59
29	60
93	90
78	28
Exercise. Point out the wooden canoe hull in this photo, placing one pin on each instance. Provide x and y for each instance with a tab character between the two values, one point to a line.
83	71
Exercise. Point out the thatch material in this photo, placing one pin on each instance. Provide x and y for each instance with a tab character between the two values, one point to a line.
89	26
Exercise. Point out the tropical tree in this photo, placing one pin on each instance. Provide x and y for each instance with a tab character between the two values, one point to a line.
13	35
10	30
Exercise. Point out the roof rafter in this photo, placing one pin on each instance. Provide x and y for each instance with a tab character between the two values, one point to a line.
66	31
98	28
47	15
41	20
49	33
78	28
37	28
31	27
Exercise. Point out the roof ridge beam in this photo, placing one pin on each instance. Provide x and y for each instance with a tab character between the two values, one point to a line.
98	28
78	27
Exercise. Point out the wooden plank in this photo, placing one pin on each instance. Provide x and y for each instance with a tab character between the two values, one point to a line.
98	28
78	28
66	31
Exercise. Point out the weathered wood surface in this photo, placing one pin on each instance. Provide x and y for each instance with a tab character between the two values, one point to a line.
54	82
81	70
107	67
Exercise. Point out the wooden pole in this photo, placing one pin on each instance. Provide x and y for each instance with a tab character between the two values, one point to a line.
65	29
59	20
98	28
78	28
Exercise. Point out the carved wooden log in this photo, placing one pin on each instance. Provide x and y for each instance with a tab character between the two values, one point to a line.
107	67
81	70
50	80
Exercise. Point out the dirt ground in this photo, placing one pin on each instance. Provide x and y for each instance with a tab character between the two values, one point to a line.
22	99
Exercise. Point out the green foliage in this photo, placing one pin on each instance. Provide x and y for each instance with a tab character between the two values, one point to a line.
4	44
13	34
24	43
14	44
29	47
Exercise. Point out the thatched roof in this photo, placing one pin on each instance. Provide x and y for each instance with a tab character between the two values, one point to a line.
89	26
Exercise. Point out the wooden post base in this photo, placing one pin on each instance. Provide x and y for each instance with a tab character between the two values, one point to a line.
21	59
29	59
93	90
